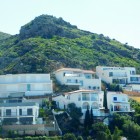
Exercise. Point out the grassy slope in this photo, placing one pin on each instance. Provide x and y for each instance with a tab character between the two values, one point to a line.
86	50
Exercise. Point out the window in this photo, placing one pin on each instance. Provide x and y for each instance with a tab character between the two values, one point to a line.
115	98
85	96
135	79
0	112
79	97
110	74
29	111
89	87
8	112
28	87
132	72
85	105
94	97
81	82
20	112
95	105
68	97
68	80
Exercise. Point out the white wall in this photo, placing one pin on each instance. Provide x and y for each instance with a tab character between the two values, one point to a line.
79	76
20	82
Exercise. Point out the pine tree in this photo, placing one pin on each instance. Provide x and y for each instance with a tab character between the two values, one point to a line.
87	119
91	116
105	100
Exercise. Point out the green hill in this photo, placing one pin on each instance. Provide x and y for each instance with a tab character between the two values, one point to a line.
48	43
4	35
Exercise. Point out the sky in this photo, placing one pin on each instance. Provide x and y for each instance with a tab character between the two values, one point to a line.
118	19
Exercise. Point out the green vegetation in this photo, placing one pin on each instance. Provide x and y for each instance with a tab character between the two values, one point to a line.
48	43
4	36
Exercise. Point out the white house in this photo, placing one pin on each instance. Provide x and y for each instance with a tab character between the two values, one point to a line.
84	79
119	75
19	113
118	102
29	84
83	98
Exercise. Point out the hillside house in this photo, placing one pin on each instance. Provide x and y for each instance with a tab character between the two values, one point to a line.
29	84
19	113
118	75
84	79
118	102
90	99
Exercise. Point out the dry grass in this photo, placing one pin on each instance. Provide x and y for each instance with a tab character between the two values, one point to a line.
136	98
132	93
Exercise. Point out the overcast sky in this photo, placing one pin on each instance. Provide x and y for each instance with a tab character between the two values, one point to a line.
119	19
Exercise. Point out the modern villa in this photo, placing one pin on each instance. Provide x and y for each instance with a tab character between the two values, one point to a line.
19	113
118	75
90	99
84	79
118	102
29	84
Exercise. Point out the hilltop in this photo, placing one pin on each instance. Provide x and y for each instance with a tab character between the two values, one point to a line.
48	43
4	35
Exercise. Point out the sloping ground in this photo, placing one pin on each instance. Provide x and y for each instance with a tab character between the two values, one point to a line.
4	36
136	98
132	93
63	122
48	43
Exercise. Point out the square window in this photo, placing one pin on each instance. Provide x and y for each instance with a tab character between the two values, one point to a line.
115	98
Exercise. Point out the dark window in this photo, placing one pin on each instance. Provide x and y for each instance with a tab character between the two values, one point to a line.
20	112
29	111
110	74
8	112
115	98
26	120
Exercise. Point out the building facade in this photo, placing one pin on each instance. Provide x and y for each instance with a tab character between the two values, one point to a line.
84	79
19	113
118	75
84	99
29	84
118	102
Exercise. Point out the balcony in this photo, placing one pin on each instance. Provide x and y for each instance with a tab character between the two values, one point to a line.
73	75
122	109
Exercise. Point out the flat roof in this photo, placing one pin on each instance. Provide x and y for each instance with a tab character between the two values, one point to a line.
25	74
82	90
18	104
75	69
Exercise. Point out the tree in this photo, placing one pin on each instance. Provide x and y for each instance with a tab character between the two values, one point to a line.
99	127
75	114
101	135
69	136
109	136
116	134
105	100
79	138
91	117
74	111
87	121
